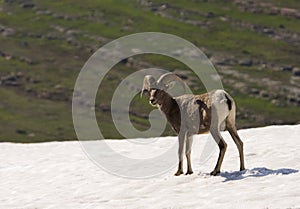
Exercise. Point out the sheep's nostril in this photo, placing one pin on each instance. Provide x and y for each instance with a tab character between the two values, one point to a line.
153	101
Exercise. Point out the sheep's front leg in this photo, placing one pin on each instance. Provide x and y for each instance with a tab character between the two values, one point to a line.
181	140
188	150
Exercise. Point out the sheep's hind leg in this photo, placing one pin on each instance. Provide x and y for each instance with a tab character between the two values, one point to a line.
188	150
222	146
181	140
237	140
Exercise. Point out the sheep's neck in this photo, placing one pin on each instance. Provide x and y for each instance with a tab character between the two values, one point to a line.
172	112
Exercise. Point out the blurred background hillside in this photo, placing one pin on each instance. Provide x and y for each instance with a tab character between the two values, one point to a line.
254	45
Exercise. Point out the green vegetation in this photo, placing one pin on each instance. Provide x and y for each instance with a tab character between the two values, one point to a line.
44	45
27	119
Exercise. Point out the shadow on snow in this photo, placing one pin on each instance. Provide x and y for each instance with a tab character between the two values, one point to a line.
256	172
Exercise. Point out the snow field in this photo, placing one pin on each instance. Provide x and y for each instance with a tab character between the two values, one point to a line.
60	175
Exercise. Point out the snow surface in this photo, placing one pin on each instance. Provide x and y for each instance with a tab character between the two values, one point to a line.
60	175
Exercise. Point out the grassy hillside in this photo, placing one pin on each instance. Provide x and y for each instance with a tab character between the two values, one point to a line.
254	45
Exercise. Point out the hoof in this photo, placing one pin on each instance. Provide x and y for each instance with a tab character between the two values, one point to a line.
178	173
189	172
241	169
214	173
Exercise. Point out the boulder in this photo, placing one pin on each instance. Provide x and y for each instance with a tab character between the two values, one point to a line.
296	71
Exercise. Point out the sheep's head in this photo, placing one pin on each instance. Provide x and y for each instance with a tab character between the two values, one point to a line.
155	90
156	97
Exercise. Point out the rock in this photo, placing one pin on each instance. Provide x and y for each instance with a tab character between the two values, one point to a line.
71	41
292	100
53	95
21	131
13	83
288	12
224	19
19	74
34	35
277	103
43	12
183	76
296	71
58	87
51	37
10	1
10	80
264	94
24	44
124	61
59	28
28	5
8	31
268	31
32	80
164	7
58	16
210	15
104	108
146	3
31	135
277	122
223	61
287	68
247	63
254	91
26	60
9	57
295	80
72	32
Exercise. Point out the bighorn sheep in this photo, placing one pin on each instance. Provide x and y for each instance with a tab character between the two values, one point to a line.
194	114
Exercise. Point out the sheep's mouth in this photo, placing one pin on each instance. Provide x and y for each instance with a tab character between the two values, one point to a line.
153	102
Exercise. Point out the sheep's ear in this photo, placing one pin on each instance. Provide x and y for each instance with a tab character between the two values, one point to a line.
148	82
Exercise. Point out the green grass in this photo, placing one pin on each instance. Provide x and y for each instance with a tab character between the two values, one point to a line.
270	114
286	3
56	62
46	120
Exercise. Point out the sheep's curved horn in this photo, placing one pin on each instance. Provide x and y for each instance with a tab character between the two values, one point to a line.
165	80
149	82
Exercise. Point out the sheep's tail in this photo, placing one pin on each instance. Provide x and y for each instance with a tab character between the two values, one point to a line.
229	101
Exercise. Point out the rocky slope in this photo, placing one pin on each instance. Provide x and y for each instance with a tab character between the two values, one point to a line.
254	46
